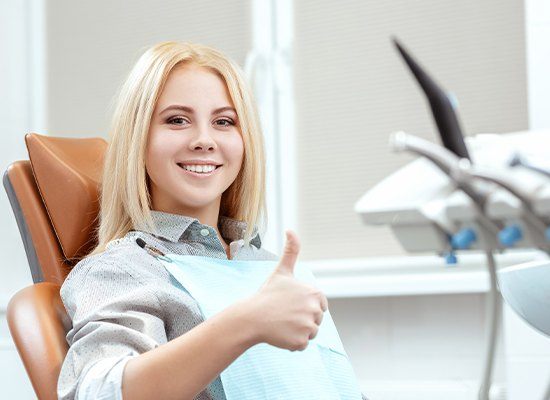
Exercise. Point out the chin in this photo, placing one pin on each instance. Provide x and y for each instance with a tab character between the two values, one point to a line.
196	203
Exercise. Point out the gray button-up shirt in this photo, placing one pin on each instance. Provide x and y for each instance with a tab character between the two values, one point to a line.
123	302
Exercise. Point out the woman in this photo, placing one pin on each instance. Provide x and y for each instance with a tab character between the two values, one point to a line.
184	172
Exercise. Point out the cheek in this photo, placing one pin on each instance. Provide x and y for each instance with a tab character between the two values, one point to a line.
157	156
236	150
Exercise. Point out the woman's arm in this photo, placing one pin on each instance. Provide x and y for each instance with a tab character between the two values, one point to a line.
118	342
183	367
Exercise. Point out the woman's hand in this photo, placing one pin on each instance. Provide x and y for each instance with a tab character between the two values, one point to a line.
286	312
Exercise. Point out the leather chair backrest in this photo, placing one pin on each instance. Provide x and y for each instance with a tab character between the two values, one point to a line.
55	198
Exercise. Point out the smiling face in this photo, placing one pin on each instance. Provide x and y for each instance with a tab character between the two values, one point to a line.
194	123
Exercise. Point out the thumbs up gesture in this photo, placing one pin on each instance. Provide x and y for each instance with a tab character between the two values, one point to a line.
290	254
287	312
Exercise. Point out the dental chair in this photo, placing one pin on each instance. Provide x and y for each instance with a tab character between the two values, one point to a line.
55	199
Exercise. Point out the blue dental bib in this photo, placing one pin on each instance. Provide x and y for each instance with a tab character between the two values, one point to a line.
321	371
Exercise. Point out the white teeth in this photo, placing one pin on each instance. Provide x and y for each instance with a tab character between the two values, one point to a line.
199	168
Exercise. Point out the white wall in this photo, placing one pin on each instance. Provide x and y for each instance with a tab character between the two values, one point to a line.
537	32
18	102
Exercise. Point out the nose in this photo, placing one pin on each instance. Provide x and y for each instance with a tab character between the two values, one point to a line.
202	140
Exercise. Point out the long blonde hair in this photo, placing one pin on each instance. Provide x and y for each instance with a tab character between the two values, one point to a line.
125	202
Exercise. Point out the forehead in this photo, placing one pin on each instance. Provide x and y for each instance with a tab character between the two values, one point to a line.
191	84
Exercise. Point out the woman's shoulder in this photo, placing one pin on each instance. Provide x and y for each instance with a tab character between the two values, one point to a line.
121	257
103	281
116	251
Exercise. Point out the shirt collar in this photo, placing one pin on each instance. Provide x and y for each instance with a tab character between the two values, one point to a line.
173	227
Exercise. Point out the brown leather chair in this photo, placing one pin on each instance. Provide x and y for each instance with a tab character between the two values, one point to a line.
54	197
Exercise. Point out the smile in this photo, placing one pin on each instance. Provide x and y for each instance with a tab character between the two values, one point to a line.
199	174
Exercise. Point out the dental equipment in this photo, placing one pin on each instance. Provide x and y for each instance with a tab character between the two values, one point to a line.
441	104
526	288
519	160
525	212
426	212
449	164
454	162
443	111
444	160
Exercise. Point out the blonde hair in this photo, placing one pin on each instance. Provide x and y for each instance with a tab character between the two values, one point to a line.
125	202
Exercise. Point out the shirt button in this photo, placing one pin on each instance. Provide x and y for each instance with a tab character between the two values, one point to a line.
205	232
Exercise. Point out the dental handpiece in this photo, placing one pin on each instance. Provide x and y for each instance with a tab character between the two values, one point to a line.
449	163
530	216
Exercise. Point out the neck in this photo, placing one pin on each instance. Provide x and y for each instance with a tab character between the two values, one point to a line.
207	215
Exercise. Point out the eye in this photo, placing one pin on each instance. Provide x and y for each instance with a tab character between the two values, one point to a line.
225	122
177	121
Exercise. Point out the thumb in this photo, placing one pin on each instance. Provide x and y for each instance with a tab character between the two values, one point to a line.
290	253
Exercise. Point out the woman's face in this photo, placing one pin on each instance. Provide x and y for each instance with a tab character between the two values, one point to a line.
194	126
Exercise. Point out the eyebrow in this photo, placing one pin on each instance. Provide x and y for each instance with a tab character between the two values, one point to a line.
191	110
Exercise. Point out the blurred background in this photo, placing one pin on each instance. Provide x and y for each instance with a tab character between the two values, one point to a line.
330	89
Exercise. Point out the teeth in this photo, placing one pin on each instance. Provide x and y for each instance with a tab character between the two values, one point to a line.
199	168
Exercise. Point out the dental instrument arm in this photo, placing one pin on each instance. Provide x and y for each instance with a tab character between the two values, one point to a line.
450	164
445	160
529	215
494	305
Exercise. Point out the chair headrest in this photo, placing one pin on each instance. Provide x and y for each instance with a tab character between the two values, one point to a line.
68	175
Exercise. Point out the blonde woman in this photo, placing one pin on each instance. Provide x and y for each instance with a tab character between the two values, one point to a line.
183	175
